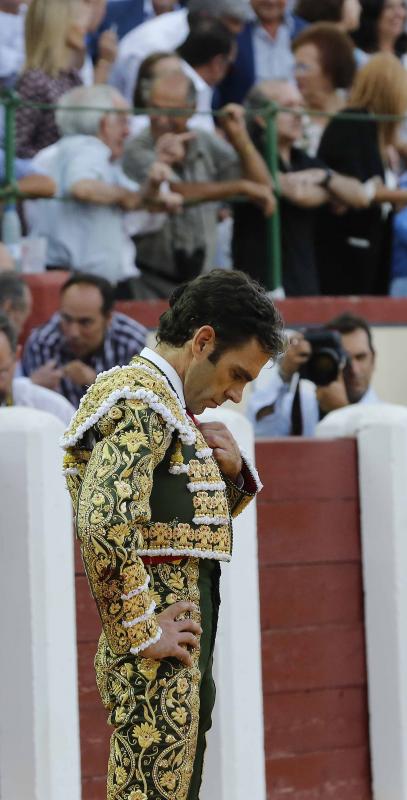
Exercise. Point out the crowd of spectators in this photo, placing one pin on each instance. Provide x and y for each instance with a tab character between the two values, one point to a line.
133	204
193	66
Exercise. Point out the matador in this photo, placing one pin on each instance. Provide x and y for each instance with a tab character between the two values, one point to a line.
154	493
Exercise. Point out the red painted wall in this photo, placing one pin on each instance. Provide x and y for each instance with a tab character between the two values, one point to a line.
296	311
314	673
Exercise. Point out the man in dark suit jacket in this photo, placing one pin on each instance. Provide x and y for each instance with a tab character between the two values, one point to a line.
264	50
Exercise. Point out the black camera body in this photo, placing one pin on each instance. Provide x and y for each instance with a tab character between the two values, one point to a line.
327	359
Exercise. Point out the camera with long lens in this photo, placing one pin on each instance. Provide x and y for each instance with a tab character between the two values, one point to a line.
327	359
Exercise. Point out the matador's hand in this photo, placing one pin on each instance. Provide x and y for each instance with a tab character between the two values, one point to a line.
176	634
225	448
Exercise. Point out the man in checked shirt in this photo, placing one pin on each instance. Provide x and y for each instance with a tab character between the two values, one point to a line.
83	338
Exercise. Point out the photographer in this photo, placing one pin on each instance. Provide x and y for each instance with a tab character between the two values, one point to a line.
285	403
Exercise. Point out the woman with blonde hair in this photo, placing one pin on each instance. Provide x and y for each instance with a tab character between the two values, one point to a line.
354	248
55	45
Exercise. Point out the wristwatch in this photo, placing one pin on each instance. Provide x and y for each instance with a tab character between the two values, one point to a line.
329	173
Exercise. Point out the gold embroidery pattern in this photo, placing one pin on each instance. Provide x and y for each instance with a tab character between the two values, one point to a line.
205	471
154	705
212	505
113	505
74	466
118	384
185	539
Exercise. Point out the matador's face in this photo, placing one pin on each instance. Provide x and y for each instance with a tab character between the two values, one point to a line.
208	385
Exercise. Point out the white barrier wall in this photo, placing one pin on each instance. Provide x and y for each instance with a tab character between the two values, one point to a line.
39	728
381	432
235	763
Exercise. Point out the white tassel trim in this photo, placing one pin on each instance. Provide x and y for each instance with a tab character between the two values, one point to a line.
143	618
135	592
188	553
179	469
252	469
205	453
70	471
187	436
204	486
211	520
136	650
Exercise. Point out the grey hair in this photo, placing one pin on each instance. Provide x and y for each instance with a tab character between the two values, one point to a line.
240	9
13	288
81	110
7	328
148	85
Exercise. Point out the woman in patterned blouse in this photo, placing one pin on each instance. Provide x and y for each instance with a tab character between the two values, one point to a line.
55	44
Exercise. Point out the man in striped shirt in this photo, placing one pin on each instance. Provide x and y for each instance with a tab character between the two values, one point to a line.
83	338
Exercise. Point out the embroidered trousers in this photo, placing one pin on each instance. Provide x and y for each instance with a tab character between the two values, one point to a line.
161	710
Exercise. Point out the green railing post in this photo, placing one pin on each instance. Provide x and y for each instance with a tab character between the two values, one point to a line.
274	260
10	102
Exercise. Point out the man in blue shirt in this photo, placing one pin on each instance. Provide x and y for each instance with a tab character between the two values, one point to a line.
125	15
264	50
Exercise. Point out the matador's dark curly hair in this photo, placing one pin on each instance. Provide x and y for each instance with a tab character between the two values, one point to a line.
237	308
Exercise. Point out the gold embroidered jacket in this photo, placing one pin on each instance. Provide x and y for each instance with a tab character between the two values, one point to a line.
143	483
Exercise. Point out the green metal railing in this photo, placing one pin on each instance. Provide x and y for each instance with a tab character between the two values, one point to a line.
10	192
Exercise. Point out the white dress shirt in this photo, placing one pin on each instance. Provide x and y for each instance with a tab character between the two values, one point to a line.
26	393
169	371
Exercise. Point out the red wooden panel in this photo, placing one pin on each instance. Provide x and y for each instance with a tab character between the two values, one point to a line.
88	691
95	736
305	722
148	312
89	625
295	311
313	658
93	788
79	568
299	469
295	596
331	775
318	310
308	531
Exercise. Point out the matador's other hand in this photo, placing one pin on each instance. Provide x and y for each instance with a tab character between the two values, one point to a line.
177	634
225	448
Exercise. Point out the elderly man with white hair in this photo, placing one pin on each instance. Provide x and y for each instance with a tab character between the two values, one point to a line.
88	227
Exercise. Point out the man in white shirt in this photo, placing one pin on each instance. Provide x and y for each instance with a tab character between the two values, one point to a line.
12	44
20	391
283	404
166	33
90	230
